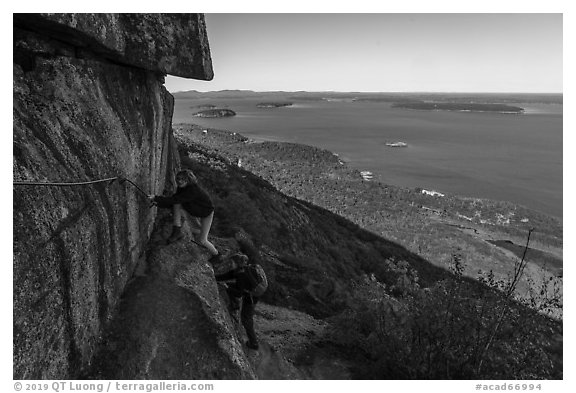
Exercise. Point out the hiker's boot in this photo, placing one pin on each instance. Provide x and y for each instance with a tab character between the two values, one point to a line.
176	234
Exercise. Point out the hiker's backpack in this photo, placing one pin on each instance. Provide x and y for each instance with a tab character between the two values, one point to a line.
257	278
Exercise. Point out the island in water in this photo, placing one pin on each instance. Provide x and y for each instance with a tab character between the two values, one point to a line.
396	144
204	106
215	113
459	106
273	104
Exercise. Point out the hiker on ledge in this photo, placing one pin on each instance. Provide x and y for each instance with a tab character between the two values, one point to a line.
240	288
189	199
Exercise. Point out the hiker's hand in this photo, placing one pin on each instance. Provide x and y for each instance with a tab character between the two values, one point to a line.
151	200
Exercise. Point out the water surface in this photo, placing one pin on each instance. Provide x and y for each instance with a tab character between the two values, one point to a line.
510	157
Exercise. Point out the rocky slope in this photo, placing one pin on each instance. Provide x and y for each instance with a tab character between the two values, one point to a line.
171	324
89	103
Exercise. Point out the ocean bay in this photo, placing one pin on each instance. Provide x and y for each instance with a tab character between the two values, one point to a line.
511	157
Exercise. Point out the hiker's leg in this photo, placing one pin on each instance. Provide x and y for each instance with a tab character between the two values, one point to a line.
178	215
247	318
193	221
205	224
234	295
195	230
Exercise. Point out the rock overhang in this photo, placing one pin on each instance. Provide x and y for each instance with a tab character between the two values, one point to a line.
174	44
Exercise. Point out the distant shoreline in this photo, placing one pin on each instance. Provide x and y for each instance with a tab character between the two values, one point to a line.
459	107
486	98
273	104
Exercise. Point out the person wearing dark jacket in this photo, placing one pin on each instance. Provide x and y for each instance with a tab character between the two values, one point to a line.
238	290
189	198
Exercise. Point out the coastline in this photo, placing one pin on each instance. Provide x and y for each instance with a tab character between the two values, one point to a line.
401	173
482	233
372	173
306	172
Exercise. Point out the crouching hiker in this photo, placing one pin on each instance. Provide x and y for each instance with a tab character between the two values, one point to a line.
189	199
248	284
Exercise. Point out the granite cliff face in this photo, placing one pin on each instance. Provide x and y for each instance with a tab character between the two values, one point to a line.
89	103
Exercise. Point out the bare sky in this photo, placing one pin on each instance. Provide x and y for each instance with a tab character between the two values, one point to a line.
474	52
